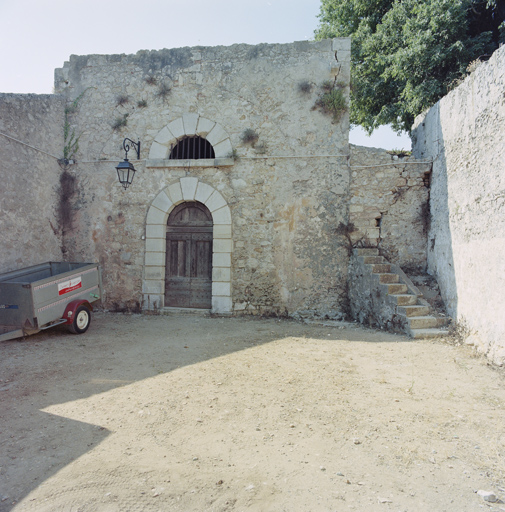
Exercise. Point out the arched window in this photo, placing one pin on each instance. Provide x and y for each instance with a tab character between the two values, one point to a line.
192	148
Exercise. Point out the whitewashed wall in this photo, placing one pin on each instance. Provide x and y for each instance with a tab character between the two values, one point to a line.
464	135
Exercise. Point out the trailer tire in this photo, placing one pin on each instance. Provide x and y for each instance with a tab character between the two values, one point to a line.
82	319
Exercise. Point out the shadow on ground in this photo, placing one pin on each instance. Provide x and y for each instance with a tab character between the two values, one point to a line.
56	367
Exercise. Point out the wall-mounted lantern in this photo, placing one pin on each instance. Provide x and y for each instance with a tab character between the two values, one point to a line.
125	170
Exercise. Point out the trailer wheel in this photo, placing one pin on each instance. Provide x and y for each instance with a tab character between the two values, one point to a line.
81	322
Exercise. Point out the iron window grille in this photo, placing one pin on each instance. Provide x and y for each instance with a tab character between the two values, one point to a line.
192	148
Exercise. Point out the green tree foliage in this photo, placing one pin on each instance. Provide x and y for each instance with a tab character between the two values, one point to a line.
406	54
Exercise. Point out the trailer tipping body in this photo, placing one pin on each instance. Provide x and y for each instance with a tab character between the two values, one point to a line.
42	296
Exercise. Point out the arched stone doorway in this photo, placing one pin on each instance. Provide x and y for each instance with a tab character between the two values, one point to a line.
188	273
183	190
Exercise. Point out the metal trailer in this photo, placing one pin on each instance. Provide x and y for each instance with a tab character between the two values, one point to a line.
35	298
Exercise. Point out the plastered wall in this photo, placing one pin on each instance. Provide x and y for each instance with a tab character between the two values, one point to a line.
463	134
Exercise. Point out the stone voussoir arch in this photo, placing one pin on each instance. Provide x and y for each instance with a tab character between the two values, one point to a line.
190	125
181	190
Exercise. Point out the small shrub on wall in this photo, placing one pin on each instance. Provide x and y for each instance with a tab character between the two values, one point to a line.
331	100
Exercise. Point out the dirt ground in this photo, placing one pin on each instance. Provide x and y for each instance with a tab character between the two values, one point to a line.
184	413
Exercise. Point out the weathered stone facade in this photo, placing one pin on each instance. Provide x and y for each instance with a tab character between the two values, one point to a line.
274	207
389	203
463	134
29	178
275	202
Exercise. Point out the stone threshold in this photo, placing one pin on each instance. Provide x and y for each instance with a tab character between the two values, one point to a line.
185	311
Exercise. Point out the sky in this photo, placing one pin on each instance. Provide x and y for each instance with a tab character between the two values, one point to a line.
38	36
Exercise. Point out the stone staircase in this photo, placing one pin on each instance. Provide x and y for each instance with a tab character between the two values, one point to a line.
402	297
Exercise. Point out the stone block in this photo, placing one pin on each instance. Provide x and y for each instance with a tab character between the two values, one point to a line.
223	149
156	231
188	187
221	304
223	162
221	289
155	245
155	259
216	135
215	201
222	231
220	274
339	190
153	301
177	128
221	259
157	151
342	44
162	202
190	122
203	192
372	232
175	192
222	216
204	126
153	286
155	273
164	137
222	245
156	216
372	211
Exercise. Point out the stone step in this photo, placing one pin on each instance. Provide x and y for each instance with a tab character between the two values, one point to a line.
428	333
394	288
415	313
388	278
404	300
422	322
373	259
443	322
413	310
364	251
381	268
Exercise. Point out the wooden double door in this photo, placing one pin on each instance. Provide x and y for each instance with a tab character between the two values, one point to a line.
188	275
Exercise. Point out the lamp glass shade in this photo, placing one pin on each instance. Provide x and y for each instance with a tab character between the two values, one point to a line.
125	173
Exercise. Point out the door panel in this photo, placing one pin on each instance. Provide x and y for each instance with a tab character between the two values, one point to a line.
188	282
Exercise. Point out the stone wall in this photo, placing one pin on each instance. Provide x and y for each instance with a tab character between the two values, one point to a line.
30	179
388	205
369	302
275	203
463	134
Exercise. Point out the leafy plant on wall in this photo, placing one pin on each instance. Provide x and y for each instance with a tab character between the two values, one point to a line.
120	122
70	139
331	100
163	91
249	136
